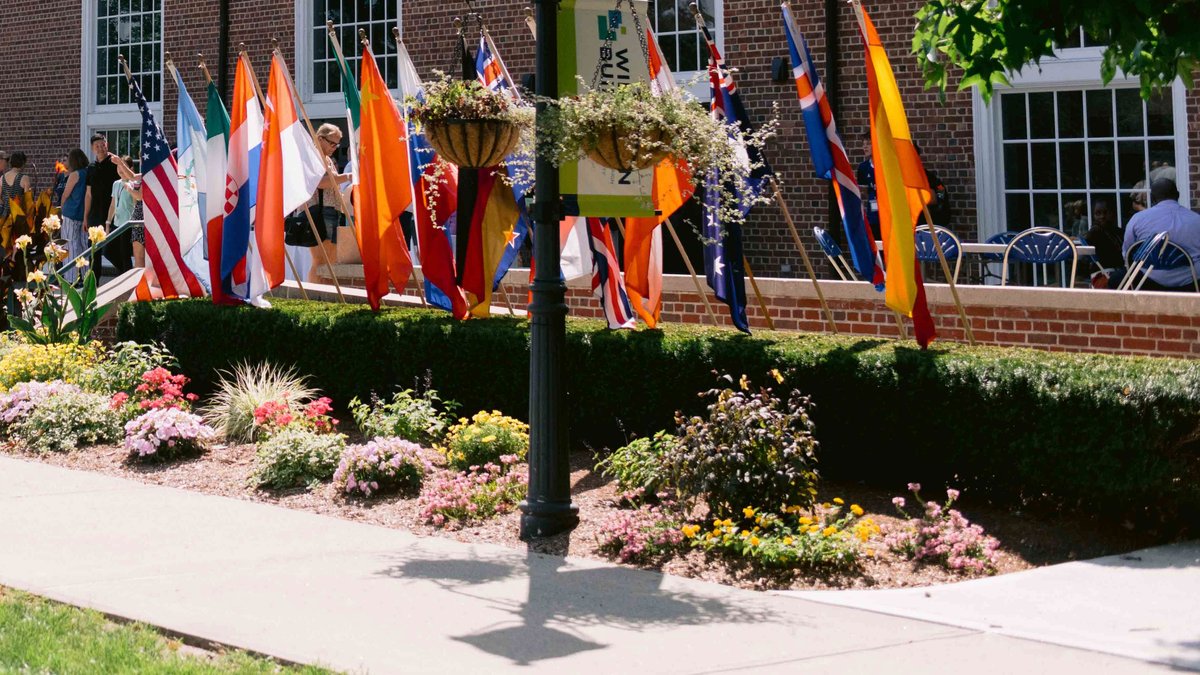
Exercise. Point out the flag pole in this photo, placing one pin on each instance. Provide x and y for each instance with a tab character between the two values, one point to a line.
787	216
691	270
203	66
808	267
937	246
262	101
530	22
754	284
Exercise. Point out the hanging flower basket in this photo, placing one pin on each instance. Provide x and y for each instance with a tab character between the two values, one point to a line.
473	143
618	149
468	124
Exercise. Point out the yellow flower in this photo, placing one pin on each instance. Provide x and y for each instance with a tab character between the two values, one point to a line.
749	511
728	522
775	374
25	296
55	252
787	541
754	541
829	531
758	520
805	520
838	500
36	276
96	234
856	509
51	224
744	383
488	439
81	262
743	534
689	531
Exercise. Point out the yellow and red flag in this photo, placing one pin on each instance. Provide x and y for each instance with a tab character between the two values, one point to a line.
903	190
385	186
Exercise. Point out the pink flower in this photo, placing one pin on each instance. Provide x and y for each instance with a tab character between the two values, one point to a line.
914	487
952	494
898	502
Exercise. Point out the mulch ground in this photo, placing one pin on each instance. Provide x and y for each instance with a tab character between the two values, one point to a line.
1027	541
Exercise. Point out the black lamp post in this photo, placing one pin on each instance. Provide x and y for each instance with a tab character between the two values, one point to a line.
547	509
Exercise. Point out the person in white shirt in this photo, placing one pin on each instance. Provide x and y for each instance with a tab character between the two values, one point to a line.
1182	227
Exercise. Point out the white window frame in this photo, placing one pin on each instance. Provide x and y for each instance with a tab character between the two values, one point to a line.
93	117
700	88
331	105
1074	69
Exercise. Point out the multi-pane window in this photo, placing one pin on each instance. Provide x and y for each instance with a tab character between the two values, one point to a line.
1065	151
132	28
122	142
678	36
376	17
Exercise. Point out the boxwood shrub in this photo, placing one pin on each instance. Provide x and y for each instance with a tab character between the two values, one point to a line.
1096	432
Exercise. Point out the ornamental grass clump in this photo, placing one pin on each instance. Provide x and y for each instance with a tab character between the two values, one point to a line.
381	466
828	537
297	457
409	415
162	434
751	449
452	501
943	536
485	439
242	392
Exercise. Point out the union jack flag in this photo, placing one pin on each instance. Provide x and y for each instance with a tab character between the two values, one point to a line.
606	275
160	197
829	155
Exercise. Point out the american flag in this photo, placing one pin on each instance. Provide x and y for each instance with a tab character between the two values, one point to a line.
606	275
828	153
160	196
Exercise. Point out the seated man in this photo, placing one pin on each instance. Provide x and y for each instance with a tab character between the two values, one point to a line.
1182	227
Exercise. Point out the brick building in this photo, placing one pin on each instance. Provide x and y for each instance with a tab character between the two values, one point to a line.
1042	153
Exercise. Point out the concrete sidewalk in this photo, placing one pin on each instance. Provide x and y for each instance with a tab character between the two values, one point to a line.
361	598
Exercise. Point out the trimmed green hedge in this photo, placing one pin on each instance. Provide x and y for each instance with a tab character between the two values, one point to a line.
1106	433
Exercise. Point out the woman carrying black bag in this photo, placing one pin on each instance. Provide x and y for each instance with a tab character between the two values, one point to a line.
326	207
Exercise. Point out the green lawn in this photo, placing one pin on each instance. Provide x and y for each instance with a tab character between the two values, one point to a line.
39	636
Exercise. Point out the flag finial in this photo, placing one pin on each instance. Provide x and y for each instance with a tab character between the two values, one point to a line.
329	25
362	37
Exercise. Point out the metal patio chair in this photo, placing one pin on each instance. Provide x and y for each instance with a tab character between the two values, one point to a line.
1040	246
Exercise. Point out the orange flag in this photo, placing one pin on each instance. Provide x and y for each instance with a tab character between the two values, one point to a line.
643	241
901	185
385	186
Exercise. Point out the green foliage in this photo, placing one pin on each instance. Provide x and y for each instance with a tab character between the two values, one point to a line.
827	539
231	409
296	458
123	368
640	464
1154	40
66	421
447	99
1093	432
39	636
485	439
751	449
411	416
53	314
28	362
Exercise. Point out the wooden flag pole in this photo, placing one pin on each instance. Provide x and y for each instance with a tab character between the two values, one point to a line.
262	101
691	270
937	246
787	216
203	66
757	293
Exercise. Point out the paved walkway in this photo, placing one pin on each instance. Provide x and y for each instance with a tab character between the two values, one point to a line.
367	599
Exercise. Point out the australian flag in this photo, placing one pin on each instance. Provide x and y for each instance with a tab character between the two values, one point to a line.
723	255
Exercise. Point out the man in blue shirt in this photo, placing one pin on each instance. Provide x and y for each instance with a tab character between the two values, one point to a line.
1182	227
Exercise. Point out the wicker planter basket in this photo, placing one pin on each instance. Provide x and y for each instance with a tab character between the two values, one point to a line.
473	144
614	150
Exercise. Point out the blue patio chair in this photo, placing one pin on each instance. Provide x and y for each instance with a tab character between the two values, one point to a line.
988	258
1160	253
834	253
951	247
1040	246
